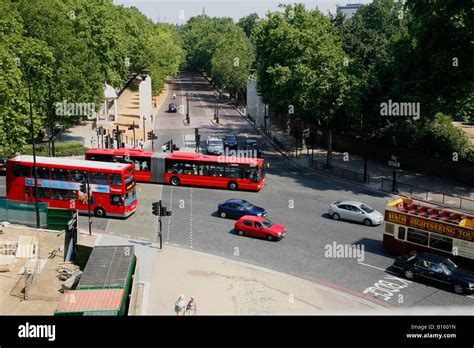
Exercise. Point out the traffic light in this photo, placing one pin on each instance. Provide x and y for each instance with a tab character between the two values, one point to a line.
156	207
165	212
150	135
83	187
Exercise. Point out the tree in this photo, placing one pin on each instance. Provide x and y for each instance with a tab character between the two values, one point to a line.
300	67
247	23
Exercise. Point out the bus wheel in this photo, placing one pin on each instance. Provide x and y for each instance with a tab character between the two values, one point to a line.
99	212
409	274
458	289
232	185
175	181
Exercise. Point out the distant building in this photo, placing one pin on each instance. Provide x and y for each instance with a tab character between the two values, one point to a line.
349	10
255	107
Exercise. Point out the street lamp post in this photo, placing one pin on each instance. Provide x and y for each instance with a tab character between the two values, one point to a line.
187	108
32	131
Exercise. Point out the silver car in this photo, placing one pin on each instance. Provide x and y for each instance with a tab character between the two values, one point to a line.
355	211
214	146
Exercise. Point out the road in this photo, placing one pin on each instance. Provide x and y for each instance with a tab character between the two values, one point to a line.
293	197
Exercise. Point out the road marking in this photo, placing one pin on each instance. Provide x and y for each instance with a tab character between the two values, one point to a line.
471	296
169	217
361	263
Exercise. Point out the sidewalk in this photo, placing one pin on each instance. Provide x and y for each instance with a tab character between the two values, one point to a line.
227	287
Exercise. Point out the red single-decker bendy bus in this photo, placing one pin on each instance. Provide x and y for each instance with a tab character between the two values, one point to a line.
112	185
187	168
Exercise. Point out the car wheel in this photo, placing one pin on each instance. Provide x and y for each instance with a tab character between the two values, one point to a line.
458	289
240	232
223	215
175	181
367	222
270	238
409	274
336	216
99	212
232	185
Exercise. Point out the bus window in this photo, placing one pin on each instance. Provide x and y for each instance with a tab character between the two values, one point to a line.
233	172
190	168
60	174
441	243
176	168
42	172
116	199
215	170
19	170
418	237
42	192
401	233
142	164
78	175
61	195
98	178
115	179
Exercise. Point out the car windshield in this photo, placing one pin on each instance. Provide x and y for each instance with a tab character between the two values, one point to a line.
230	138
247	205
366	208
215	142
267	223
449	266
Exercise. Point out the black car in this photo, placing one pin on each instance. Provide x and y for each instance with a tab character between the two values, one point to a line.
252	145
3	164
172	107
230	141
436	269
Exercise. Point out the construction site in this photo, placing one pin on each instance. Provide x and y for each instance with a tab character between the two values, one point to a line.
33	273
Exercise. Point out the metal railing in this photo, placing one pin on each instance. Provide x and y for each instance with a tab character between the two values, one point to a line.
430	196
339	172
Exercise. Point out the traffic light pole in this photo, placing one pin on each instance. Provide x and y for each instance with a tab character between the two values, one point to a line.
89	205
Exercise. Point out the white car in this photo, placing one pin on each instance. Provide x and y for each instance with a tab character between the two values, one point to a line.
355	211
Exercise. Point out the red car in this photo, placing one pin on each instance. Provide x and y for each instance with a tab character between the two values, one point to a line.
256	226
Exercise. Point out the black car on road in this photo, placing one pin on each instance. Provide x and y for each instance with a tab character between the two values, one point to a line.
172	107
230	142
436	269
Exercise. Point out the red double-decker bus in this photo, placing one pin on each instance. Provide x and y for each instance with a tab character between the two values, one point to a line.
186	168
112	185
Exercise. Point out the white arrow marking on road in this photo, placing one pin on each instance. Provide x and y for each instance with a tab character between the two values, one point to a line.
379	268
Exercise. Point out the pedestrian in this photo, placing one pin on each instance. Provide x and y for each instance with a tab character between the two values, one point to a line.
180	305
164	147
191	308
141	144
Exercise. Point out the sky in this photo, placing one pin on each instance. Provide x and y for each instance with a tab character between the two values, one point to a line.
179	11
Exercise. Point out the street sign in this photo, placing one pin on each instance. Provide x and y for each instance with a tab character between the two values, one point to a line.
393	164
